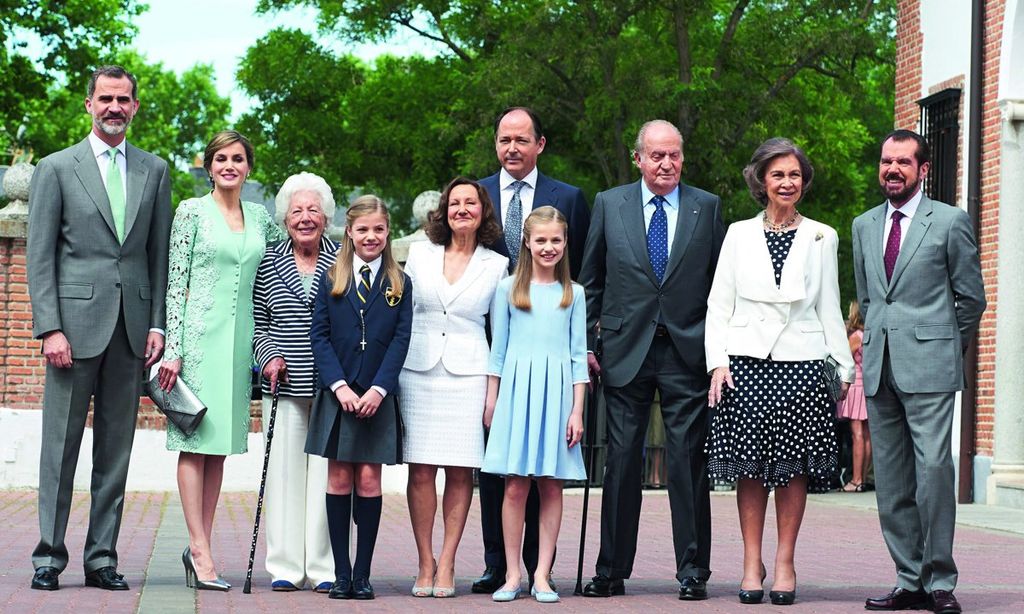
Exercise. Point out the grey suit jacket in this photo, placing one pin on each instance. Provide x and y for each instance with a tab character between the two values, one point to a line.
623	293
79	274
930	310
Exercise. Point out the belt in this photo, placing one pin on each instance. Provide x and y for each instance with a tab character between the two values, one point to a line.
660	331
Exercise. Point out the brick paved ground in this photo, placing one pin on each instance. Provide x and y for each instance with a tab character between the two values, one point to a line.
840	560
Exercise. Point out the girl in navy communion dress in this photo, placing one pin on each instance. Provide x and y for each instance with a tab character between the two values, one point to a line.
537	379
360	336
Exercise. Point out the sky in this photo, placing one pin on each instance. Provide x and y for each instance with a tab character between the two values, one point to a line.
182	33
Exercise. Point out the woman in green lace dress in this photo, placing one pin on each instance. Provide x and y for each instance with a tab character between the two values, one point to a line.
217	242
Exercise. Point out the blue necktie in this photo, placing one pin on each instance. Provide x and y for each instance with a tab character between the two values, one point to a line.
657	238
514	223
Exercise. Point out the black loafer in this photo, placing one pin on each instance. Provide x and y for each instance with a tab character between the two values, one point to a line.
603	586
341	589
693	589
362	589
106	578
45	579
491	580
898	599
943	602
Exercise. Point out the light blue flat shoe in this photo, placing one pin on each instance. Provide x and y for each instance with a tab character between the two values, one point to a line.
503	596
545	596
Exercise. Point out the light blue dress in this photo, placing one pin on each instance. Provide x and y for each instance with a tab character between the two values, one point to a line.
539	355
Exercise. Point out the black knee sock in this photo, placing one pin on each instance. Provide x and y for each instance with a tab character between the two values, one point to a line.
339	513
366	511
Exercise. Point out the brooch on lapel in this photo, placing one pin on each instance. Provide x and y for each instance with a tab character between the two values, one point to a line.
819	237
392	297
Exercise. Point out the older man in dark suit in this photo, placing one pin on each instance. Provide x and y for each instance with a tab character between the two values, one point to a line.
98	229
516	190
649	261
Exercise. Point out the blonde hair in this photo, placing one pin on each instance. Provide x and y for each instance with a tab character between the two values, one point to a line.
520	295
340	272
854	322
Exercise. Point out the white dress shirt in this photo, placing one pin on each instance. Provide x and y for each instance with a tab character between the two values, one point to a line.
671	210
102	152
908	210
357	264
526	193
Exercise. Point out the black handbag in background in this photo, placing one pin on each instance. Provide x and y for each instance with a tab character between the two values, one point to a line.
830	378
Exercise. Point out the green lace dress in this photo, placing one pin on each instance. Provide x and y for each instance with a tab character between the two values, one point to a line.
209	317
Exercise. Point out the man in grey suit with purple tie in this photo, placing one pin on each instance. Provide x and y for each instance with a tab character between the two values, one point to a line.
921	296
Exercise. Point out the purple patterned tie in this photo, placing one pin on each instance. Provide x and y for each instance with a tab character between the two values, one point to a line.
892	246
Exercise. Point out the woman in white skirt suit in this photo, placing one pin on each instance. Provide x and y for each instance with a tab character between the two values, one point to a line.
444	381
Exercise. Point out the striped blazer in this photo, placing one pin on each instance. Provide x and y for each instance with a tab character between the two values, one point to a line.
282	314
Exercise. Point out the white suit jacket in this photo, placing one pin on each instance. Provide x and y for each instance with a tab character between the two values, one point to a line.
448	320
801	319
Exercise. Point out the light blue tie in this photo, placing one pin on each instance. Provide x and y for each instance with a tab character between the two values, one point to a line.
514	223
657	238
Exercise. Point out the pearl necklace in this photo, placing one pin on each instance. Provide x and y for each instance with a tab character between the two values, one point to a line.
778	228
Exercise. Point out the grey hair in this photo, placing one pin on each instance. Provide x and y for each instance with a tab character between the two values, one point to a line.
638	147
303	182
763	156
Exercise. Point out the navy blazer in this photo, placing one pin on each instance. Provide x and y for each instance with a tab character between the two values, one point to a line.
568	199
335	333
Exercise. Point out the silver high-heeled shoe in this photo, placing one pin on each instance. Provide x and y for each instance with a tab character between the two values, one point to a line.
192	579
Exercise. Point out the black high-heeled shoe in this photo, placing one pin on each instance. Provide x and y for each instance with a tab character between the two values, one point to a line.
754	596
192	579
782	597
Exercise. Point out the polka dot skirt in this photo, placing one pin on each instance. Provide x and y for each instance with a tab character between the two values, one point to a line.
777	423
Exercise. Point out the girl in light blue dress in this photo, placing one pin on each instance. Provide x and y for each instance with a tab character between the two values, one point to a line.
537	381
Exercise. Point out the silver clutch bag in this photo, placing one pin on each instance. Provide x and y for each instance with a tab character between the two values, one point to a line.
830	378
181	406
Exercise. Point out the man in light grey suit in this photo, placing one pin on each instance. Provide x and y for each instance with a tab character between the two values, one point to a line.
648	264
921	295
98	231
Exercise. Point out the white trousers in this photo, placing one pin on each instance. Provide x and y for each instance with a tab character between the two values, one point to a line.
295	513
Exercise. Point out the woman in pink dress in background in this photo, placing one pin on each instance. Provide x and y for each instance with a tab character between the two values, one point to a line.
854	407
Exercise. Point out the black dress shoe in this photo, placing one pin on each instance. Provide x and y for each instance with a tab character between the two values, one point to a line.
943	602
782	597
898	599
45	579
491	580
362	589
106	578
693	589
341	589
603	586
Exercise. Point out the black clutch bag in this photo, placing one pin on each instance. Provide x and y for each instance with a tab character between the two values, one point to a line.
830	378
181	406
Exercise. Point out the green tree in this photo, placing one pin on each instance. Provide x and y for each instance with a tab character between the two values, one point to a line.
52	41
729	73
176	117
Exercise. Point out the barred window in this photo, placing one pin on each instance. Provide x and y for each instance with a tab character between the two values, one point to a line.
940	126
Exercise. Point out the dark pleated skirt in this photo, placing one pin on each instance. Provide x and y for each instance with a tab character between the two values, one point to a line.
341	436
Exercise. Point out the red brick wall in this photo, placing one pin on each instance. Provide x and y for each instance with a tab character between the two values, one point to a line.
22	368
909	90
989	223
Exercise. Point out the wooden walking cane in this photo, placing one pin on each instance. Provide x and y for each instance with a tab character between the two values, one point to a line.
590	434
259	501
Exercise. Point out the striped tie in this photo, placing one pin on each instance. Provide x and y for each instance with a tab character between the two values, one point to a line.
363	287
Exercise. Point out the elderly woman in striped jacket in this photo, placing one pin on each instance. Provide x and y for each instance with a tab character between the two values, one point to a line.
298	550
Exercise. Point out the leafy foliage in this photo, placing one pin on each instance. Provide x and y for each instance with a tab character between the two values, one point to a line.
729	73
